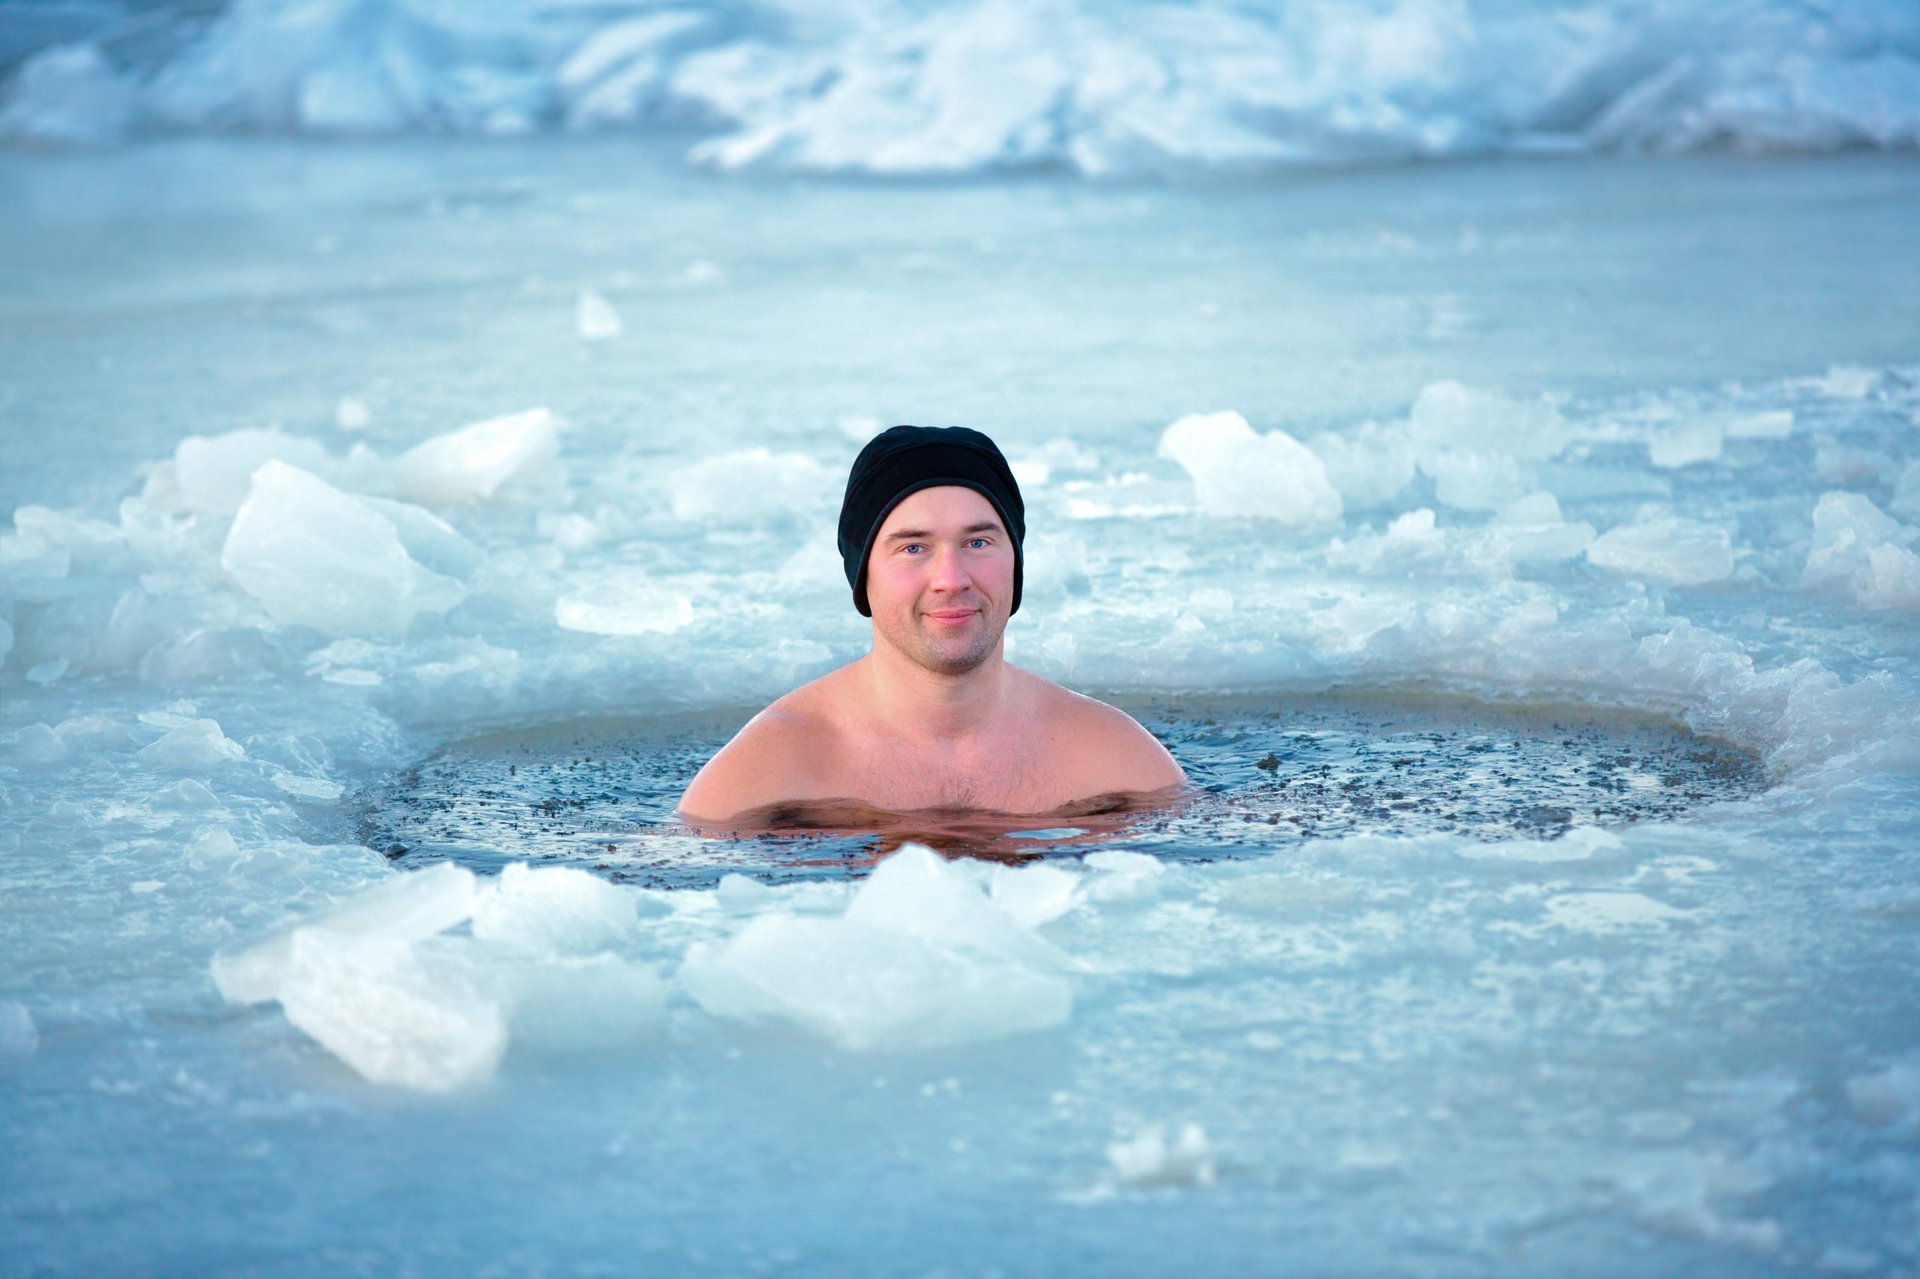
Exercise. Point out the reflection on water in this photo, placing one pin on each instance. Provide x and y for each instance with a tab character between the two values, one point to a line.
1264	772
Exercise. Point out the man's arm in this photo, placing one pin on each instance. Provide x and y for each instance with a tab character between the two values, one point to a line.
772	758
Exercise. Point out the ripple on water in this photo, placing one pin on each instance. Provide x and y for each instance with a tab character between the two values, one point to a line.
1265	772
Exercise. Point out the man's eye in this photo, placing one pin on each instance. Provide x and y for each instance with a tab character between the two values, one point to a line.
912	548
977	543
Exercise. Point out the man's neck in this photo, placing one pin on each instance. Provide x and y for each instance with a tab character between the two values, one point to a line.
917	702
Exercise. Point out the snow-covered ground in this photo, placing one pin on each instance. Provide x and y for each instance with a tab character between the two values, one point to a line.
320	454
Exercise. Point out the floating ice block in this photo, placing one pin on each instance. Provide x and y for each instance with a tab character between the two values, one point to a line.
921	958
404	909
315	556
476	462
1238	474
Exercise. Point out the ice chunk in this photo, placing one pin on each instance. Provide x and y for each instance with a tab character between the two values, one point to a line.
1860	547
1475	481
751	484
19	1037
1151	1159
1906	493
214	474
921	958
556	910
392	1017
196	744
1033	895
1887	1097
482	461
315	556
1238	474
428	538
1769	424
1685	1192
69	94
1848	381
1369	465
1683	443
1667	549
626	603
352	414
405	908
1451	416
596	317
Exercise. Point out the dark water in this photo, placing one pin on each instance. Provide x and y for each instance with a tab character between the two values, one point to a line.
1264	774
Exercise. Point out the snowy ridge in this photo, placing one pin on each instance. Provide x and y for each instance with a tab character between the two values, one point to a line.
891	88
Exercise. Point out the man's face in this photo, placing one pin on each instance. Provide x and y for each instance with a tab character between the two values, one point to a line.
940	579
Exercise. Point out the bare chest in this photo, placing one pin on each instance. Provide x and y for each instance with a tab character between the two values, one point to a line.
1008	773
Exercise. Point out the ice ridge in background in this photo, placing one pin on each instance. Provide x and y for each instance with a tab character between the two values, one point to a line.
895	88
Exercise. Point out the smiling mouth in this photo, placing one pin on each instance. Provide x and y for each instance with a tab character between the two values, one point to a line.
952	617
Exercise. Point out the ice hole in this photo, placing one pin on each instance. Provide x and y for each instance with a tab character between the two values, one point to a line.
1265	772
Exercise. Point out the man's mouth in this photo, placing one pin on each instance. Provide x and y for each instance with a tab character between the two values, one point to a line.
950	616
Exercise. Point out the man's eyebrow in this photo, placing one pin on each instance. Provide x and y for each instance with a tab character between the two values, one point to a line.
916	534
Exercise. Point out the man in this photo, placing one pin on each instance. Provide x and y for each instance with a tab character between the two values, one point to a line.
934	717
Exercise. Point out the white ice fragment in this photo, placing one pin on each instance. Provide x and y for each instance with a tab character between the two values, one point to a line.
186	793
315	556
1666	549
921	958
701	273
1848	381
1685	1192
1769	424
316	788
196	744
1473	480
1888	1097
1609	912
481	461
1906	494
1150	1159
403	909
1449	416
1033	895
390	1016
351	414
1582	843
428	538
19	1037
1860	547
622	603
1238	474
214	474
1369	465
749	485
556	910
69	94
596	318
858	427
1683	443
46	672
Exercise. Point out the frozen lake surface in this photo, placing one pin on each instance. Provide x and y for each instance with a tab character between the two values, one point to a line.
1627	446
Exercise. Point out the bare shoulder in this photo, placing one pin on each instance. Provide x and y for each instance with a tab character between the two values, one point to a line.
1108	747
783	753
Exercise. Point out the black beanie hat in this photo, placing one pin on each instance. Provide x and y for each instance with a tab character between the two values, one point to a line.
901	461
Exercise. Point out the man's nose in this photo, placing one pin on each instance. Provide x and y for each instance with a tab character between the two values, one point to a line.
950	570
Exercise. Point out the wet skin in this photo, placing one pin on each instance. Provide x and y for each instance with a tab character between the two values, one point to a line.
934	717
